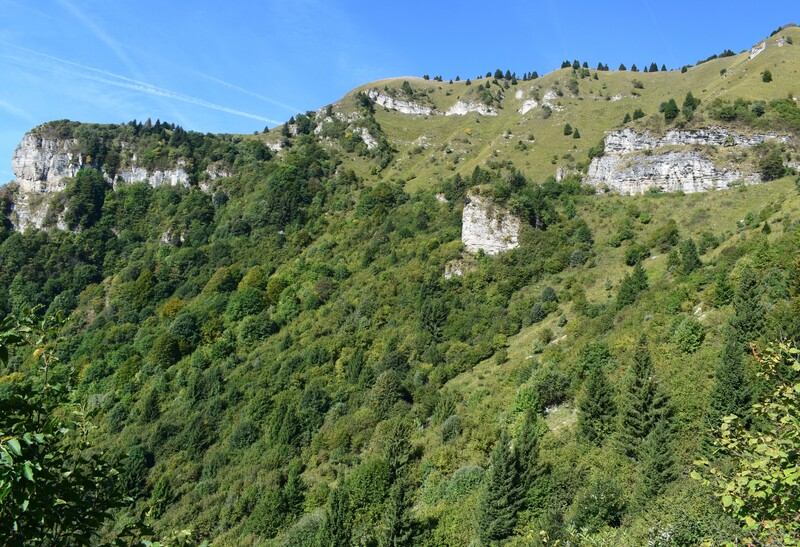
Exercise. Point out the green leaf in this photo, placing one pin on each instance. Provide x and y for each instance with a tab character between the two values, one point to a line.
727	500
27	471
13	445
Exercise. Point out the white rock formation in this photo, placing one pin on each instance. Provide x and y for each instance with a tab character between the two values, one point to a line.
367	137
687	171
488	227
527	106
405	107
627	140
41	165
626	168
757	49
462	107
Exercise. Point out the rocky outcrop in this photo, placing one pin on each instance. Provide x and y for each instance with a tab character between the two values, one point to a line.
628	140
687	171
170	177
527	106
42	165
488	227
462	108
757	49
405	107
632	162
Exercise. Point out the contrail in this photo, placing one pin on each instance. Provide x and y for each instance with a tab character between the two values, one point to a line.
248	92
136	85
15	111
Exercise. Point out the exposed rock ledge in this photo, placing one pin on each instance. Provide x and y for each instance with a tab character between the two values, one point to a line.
488	227
44	165
625	167
462	107
406	107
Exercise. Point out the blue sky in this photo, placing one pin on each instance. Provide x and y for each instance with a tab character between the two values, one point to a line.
236	66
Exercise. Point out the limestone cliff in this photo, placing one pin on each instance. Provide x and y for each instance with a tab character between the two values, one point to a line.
43	165
636	162
488	227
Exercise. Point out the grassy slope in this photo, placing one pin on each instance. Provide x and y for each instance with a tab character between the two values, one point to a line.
449	148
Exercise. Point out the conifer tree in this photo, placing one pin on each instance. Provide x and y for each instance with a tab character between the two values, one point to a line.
645	404
690	260
663	68
731	393
337	528
568	129
748	312
596	408
532	472
630	287
398	523
657	457
622	67
723	292
576	134
627	118
500	500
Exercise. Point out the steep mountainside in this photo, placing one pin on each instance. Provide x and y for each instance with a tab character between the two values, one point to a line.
433	313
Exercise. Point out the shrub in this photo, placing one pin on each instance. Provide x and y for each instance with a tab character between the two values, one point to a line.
451	428
766	76
689	335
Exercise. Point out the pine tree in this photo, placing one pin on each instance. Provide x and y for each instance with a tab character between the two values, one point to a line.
398	523
645	404
568	129
731	393
576	134
723	292
532	472
596	408
659	467
653	67
748	312
690	260
627	118
630	287
337	528
663	68
622	67
500	500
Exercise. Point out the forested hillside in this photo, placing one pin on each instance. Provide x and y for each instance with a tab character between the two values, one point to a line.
270	352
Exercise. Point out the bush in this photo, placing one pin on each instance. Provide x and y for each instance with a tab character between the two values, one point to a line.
766	76
451	428
771	165
689	335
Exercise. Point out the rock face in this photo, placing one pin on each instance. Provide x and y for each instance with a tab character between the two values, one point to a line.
41	165
488	227
527	106
633	164
462	107
406	107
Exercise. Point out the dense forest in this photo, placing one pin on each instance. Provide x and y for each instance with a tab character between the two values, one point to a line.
277	358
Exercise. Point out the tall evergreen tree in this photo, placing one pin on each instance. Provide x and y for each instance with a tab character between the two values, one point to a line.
500	500
596	408
723	292
645	404
532	472
731	393
337	528
748	315
690	260
657	457
398	523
